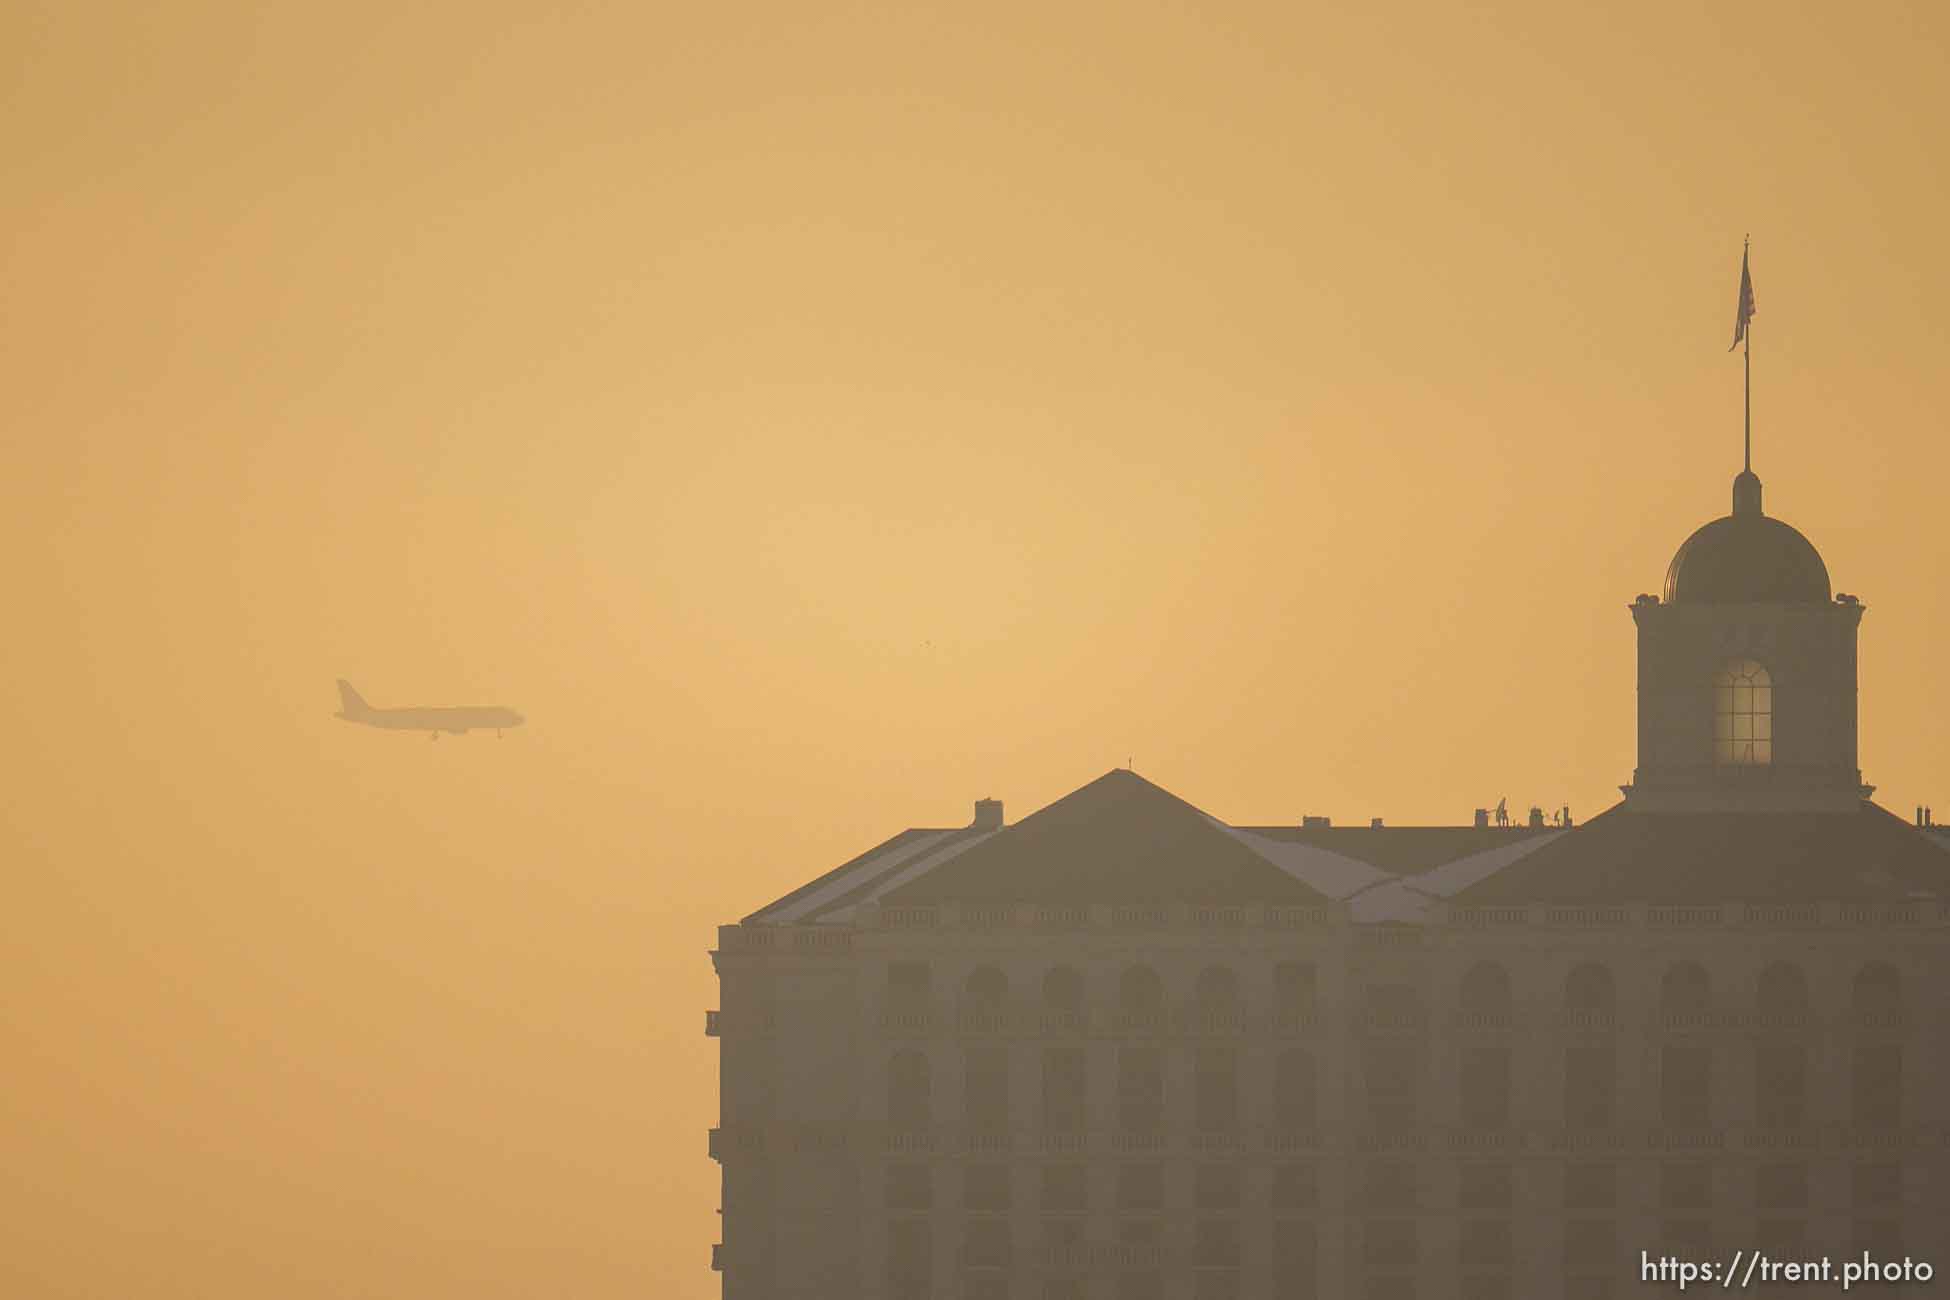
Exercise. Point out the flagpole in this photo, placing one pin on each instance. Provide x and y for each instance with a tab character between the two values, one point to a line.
1747	377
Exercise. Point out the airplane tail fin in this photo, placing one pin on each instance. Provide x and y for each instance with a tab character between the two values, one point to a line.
350	702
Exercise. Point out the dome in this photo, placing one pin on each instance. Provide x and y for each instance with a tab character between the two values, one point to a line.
1747	558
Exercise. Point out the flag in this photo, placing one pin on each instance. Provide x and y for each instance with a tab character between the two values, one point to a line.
1746	309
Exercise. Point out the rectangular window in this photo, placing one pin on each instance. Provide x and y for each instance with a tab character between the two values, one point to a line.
910	1257
910	1187
1781	1187
1388	1185
1294	1255
1389	1245
985	1188
1295	1187
985	1243
1877	1186
1484	1187
1591	1249
1486	1246
1590	1187
1215	1243
1064	1188
1140	1187
1216	1187
1685	1187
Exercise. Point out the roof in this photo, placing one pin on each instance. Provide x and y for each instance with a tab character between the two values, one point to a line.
1748	558
1622	856
1118	839
1121	839
1402	850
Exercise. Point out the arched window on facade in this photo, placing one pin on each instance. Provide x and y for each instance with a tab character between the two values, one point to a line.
1141	994
1878	1086
984	998
1215	1084
1780	1084
1215	998
1063	998
1485	994
1295	1101
985	1088
1485	1086
1685	992
1140	1089
910	1104
1878	995
1782	999
909	987
1590	1084
1743	715
1590	996
1294	990
1065	1089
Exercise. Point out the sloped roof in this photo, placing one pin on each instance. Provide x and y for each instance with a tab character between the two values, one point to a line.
1402	850
852	879
1118	839
1632	857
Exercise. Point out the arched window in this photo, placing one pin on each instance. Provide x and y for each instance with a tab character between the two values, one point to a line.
1294	1098
1140	993
1879	993
1485	993
1686	991
1743	715
1485	1086
985	993
1063	996
1780	1084
910	1105
1878	1094
1065	1089
1217	993
1589	993
1215	1086
1783	996
1590	1084
1140	1089
1293	988
985	1088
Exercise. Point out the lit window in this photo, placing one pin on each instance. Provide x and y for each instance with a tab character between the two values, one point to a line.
1743	715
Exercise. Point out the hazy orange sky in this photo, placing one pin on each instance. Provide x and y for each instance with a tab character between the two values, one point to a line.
815	418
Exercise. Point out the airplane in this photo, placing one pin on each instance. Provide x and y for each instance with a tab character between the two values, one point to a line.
455	722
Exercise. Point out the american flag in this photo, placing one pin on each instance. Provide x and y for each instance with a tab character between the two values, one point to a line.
1746	312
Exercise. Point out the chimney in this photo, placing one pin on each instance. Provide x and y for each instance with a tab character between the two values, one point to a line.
1482	819
1536	818
1374	823
988	815
1308	823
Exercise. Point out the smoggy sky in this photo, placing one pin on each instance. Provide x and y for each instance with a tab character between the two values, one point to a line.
815	418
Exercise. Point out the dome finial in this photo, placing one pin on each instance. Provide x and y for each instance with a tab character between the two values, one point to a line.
1746	493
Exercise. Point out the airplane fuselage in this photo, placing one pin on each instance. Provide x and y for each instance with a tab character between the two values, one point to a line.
454	722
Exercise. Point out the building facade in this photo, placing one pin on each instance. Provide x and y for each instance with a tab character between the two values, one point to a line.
1121	1050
